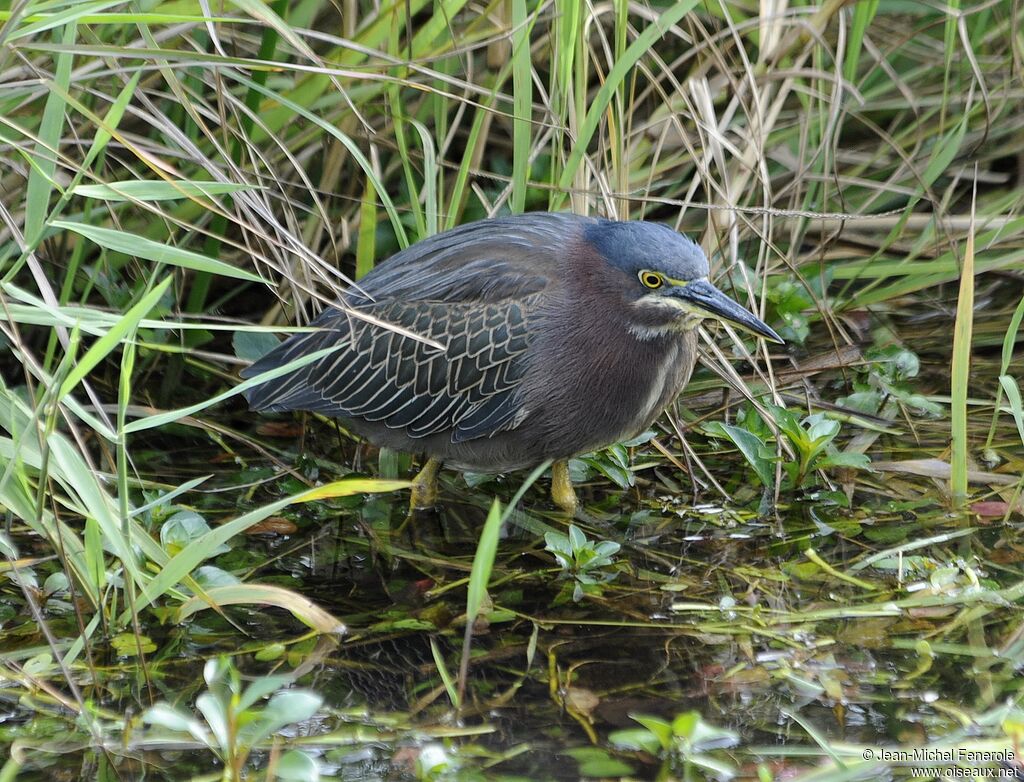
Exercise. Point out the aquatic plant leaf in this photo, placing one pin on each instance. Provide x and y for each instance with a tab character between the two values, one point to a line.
208	577
261	688
657	727
751	446
283	708
213	712
701	735
166	716
598	763
297	766
856	461
577	539
636	739
559	545
184	528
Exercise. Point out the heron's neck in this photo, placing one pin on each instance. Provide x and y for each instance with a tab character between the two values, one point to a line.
645	332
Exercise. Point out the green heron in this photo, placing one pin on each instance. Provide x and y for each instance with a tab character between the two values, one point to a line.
546	336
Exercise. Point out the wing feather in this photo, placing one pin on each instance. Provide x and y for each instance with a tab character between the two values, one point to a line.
469	389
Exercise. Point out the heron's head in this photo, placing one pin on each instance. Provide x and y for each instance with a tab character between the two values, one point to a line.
666	278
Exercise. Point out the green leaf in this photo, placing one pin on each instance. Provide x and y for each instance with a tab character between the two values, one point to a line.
168	717
216	717
701	735
74	13
286	708
658	728
483	562
209	577
856	461
789	424
348	487
863	13
577	538
558	544
296	766
141	247
606	549
595	762
752	447
635	739
94	561
262	688
522	92
7	547
131	645
442	671
821	430
44	156
105	344
1012	391
599	103
55	582
184	528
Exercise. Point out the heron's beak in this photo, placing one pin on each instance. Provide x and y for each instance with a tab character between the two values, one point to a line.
705	299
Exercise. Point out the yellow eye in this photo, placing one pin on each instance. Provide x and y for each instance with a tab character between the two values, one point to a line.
651	279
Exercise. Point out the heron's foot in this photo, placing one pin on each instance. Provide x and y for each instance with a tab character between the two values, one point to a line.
424	487
562	492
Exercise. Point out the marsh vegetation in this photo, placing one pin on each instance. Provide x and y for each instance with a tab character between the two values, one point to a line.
814	556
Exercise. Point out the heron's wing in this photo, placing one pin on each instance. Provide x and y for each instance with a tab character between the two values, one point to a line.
379	375
470	289
488	261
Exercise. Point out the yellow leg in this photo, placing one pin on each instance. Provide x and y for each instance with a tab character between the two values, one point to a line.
424	486
562	493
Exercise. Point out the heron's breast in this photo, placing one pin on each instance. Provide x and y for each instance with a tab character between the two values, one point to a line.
670	372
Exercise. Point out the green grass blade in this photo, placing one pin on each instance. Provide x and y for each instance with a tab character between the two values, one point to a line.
41	179
522	92
109	341
1012	391
600	102
960	374
74	14
446	677
863	13
479	576
141	247
157	190
483	562
347	142
431	217
1009	341
170	416
366	245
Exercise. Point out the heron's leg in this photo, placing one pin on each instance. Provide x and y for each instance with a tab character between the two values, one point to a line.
562	492
424	486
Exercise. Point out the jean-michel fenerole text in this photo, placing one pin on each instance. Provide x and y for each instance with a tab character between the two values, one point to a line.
944	755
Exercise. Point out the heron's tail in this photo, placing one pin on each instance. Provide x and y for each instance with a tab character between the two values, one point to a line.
293	390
